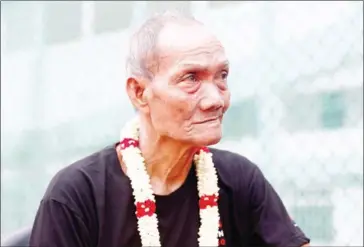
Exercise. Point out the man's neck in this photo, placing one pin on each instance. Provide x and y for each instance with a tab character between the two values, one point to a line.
167	161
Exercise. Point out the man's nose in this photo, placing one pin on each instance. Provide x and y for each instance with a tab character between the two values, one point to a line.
212	98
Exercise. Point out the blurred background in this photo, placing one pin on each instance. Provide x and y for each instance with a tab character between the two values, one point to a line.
297	98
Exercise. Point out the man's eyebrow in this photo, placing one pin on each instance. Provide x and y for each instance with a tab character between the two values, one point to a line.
225	64
204	66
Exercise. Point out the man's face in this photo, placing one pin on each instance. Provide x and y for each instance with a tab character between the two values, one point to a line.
189	93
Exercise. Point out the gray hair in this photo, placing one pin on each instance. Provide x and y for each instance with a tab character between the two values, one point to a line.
142	59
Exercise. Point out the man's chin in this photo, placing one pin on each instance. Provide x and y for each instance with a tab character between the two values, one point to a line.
207	140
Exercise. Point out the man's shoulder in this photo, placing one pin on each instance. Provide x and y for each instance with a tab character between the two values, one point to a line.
230	160
230	164
80	176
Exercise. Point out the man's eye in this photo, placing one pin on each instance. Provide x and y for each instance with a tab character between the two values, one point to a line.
191	77
224	75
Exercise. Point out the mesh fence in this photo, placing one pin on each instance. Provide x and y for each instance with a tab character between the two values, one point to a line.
297	99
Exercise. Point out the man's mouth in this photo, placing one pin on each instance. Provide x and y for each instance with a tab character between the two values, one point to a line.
208	120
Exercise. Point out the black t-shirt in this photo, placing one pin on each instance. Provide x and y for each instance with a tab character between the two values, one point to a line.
90	204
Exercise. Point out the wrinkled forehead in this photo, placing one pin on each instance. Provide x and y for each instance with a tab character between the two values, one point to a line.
179	45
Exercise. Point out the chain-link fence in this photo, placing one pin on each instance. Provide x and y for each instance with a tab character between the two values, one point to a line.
297	99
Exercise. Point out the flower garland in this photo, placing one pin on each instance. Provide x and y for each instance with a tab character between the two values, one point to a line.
144	199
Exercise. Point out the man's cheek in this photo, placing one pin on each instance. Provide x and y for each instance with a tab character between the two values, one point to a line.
181	104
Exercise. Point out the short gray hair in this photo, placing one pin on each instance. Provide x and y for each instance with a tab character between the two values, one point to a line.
142	59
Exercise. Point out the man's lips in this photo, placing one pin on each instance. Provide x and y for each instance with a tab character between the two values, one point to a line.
207	120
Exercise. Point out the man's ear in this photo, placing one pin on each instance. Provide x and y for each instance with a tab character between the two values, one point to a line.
135	89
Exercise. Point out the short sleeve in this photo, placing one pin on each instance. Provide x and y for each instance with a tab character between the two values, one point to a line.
270	218
56	225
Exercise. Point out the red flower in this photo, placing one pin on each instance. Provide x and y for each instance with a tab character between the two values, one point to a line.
222	242
204	149
207	200
127	142
146	208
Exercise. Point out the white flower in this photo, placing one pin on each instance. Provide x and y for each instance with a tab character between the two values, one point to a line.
207	183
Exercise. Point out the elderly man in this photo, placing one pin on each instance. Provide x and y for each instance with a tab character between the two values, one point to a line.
160	185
